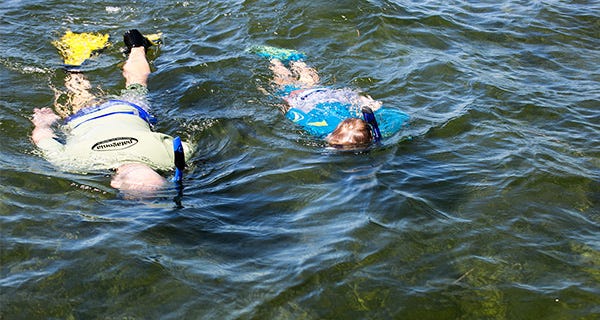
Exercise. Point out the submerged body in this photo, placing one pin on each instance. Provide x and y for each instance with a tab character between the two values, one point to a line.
337	115
114	135
107	136
320	110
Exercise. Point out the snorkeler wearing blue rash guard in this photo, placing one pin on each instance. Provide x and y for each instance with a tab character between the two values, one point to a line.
112	135
343	117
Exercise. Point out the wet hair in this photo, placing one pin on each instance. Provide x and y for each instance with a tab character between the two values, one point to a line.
352	132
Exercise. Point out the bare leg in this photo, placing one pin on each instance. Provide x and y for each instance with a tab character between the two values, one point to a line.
282	76
136	177
136	68
79	87
306	75
78	94
299	74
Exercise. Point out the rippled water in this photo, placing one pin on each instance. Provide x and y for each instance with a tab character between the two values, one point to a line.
485	207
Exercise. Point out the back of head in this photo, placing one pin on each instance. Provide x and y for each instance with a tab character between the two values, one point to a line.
137	179
352	132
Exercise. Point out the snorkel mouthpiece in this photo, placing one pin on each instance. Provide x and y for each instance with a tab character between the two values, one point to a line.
179	159
369	117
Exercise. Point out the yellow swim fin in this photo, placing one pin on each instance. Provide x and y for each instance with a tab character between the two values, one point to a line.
75	48
155	38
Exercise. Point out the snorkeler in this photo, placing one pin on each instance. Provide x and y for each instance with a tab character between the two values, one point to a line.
111	134
343	117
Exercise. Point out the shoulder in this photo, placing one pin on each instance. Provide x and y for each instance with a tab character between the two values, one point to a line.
391	113
390	120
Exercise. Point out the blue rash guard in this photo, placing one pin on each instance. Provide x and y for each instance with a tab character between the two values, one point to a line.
319	111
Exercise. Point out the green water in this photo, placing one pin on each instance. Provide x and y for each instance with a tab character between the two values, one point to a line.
485	207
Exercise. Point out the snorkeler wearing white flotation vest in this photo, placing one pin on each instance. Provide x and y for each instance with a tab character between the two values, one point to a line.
113	135
343	117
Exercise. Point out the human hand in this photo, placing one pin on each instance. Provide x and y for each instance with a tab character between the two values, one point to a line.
44	117
367	101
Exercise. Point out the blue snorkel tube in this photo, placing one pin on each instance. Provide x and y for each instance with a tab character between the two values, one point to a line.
179	160
179	167
369	118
